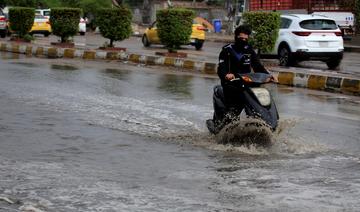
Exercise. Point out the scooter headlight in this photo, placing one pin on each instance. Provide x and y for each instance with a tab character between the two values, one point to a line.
263	95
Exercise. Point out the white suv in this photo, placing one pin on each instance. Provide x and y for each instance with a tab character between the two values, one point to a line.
309	37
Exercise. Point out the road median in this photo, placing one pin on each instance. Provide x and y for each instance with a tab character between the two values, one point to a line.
324	81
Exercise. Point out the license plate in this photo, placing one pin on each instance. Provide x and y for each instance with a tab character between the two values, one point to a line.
324	44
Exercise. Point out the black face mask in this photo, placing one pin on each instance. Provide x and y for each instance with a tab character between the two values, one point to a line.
240	43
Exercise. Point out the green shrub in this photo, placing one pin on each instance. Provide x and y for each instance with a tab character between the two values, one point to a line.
21	3
90	7
21	20
65	22
174	26
115	23
28	37
265	26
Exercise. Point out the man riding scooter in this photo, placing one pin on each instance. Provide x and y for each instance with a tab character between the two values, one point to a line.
234	59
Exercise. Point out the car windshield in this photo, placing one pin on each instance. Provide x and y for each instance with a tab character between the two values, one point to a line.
46	13
318	24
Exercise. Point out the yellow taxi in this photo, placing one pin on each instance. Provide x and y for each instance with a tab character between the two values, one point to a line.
197	37
41	26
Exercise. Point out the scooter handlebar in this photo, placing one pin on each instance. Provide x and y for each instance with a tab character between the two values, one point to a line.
259	79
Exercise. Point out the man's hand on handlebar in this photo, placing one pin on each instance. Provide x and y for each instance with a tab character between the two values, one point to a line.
274	79
230	77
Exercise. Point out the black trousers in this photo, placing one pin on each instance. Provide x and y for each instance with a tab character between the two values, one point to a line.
226	99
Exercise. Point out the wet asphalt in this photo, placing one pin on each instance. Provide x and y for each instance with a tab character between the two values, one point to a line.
94	136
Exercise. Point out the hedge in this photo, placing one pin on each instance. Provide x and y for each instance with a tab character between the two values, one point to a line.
174	26
65	22
265	26
114	23
21	20
21	3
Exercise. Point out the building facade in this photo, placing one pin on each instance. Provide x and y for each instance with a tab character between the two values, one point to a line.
145	11
306	5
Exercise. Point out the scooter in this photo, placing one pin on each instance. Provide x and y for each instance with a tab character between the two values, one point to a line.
255	100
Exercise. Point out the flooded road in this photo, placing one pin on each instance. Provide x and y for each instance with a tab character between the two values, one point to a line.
93	136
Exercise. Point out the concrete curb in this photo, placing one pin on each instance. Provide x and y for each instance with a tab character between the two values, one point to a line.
313	81
69	53
322	82
355	49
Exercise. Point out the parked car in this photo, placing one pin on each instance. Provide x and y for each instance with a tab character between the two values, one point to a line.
41	26
344	20
197	37
3	24
309	37
82	22
44	12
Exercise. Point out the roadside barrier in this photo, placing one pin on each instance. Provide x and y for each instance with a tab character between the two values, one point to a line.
315	81
318	81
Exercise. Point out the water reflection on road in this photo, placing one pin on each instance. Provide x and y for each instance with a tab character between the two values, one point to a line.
104	137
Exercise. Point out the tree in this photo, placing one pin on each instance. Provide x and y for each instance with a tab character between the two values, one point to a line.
48	3
174	26
265	26
90	7
21	20
65	22
115	23
70	3
21	3
346	4
2	4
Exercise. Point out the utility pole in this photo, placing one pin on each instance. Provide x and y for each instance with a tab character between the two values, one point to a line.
169	3
238	12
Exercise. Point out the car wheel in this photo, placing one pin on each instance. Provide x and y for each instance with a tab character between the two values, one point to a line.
145	41
82	33
333	63
198	45
3	35
285	57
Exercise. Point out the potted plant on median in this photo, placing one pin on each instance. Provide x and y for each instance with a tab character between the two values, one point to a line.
21	19
114	24
65	24
174	28
266	27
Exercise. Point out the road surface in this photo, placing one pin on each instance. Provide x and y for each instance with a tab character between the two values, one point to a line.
92	136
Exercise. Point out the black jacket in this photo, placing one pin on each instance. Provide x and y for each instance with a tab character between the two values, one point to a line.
238	61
